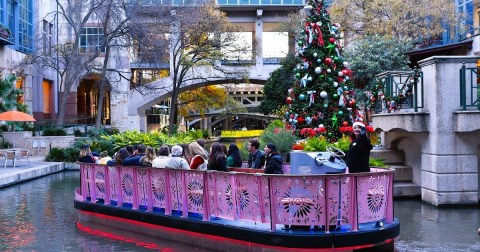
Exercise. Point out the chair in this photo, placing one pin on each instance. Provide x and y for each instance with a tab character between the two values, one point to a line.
23	154
3	156
11	155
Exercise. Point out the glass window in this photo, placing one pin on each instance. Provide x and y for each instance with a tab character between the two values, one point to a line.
25	26
236	50
91	39
274	44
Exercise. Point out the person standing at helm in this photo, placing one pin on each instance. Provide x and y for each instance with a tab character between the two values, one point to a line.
359	151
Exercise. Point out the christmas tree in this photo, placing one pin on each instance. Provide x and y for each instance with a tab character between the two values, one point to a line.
321	100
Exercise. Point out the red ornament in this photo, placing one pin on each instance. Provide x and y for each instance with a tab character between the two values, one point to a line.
345	72
289	100
369	129
328	61
344	123
332	40
352	102
300	120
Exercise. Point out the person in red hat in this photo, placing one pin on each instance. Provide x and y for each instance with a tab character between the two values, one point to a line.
359	151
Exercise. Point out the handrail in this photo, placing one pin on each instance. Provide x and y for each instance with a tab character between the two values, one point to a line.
469	94
276	199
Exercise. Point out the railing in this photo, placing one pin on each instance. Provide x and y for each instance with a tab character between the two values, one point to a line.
341	199
240	133
219	2
403	86
469	87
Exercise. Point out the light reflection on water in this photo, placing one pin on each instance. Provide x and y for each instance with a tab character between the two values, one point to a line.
39	216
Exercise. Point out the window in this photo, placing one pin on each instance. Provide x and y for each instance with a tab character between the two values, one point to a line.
91	39
274	44
11	16
1	12
47	37
25	26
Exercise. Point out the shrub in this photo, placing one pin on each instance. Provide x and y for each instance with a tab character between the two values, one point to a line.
376	162
54	132
282	138
69	154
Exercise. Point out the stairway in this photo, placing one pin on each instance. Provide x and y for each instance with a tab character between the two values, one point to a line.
403	176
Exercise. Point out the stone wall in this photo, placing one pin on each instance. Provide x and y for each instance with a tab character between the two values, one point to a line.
37	146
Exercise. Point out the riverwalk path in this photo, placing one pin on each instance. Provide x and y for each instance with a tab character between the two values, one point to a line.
36	167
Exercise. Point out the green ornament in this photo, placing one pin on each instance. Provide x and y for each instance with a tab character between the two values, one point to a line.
330	134
335	96
297	75
335	58
325	105
319	60
340	113
322	76
330	80
300	43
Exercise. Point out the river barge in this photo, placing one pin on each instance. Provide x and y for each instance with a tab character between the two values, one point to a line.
326	212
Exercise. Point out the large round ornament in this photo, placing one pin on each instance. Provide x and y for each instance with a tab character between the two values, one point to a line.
315	55
340	113
301	96
328	61
331	40
318	70
335	84
335	96
289	100
323	94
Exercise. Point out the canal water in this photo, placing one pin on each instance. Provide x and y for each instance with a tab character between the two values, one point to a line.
38	215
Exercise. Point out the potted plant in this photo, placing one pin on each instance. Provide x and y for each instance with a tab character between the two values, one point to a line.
5	32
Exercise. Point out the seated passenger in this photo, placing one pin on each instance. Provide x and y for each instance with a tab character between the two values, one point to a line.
217	160
233	156
104	158
149	157
135	159
199	157
121	155
176	161
162	159
86	155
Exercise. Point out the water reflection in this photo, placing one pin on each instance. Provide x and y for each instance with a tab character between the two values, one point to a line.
427	228
39	216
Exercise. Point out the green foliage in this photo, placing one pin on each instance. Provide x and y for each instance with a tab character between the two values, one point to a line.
69	154
316	144
343	143
376	54
275	89
243	147
5	144
375	162
195	134
275	124
282	138
9	94
54	132
77	133
153	139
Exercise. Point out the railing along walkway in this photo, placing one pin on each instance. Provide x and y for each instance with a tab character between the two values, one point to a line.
322	200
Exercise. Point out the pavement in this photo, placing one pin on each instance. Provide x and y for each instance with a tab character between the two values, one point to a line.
35	168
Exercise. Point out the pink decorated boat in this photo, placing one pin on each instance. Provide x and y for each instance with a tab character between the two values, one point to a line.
344	212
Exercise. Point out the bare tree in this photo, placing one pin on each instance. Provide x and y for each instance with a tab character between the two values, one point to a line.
198	38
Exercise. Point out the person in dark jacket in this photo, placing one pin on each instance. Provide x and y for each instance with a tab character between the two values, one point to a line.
273	160
135	159
256	157
359	151
86	155
217	160
121	155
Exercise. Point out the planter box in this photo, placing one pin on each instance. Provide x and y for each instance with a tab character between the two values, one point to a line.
315	163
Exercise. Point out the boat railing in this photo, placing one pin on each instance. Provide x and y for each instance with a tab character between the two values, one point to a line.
346	200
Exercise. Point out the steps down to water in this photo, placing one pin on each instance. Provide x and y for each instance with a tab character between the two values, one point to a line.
403	176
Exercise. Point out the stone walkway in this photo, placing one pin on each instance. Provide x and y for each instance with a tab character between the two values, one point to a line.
36	167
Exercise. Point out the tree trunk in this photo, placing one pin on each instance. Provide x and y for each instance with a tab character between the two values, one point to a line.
173	120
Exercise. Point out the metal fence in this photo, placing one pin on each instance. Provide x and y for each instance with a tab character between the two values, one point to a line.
469	87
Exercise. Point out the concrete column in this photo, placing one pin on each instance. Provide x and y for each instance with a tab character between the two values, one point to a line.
259	38
449	159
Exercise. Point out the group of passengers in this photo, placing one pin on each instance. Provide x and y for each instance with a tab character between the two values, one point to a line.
192	156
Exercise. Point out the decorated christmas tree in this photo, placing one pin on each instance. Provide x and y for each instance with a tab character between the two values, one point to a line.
321	99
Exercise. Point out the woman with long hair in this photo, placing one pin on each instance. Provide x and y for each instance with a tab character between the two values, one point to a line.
121	155
217	160
199	157
149	157
233	156
86	155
